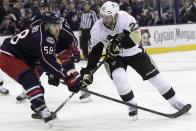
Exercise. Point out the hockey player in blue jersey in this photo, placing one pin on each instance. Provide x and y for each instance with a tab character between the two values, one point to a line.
66	49
20	53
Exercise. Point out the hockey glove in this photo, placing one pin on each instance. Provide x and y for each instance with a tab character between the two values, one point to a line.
76	55
65	56
73	82
86	79
53	80
114	45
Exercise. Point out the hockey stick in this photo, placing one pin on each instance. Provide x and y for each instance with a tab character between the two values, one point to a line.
37	116
100	64
97	67
184	110
65	102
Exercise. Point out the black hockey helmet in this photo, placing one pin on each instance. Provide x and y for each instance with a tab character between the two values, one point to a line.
45	3
51	18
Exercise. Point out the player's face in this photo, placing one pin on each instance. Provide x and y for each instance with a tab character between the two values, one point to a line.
107	20
54	30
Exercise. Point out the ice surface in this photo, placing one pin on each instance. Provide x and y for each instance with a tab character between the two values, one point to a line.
102	115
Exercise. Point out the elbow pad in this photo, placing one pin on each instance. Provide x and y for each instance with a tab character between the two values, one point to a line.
130	39
135	36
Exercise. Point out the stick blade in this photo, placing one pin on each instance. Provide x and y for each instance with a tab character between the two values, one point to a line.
181	112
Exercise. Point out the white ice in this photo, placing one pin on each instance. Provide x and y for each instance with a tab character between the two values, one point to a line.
178	68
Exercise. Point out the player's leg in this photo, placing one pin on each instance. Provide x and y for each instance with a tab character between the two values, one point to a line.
23	97
2	89
167	91
85	97
35	93
144	65
117	71
30	82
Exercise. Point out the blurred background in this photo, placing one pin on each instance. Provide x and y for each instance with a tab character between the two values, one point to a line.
13	13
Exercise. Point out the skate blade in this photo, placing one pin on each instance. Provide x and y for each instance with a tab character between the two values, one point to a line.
4	93
50	124
134	118
86	100
20	102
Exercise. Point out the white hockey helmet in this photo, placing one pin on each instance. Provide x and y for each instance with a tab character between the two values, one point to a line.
109	9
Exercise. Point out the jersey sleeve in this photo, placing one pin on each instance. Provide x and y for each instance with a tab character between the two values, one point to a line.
94	36
68	36
129	24
67	39
95	55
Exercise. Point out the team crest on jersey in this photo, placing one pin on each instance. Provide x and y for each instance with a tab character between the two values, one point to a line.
35	28
50	40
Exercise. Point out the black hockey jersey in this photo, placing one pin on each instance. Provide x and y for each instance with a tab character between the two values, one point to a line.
34	44
66	37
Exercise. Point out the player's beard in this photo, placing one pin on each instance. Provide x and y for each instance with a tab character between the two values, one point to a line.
111	24
54	32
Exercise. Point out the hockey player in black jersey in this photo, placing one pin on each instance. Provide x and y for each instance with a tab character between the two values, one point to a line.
20	53
68	53
66	49
119	33
45	6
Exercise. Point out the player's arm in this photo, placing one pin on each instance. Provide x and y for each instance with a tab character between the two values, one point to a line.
134	33
69	36
130	36
94	56
70	52
49	62
48	59
131	31
93	59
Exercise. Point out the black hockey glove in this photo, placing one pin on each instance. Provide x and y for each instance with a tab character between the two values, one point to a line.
85	79
114	44
53	80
